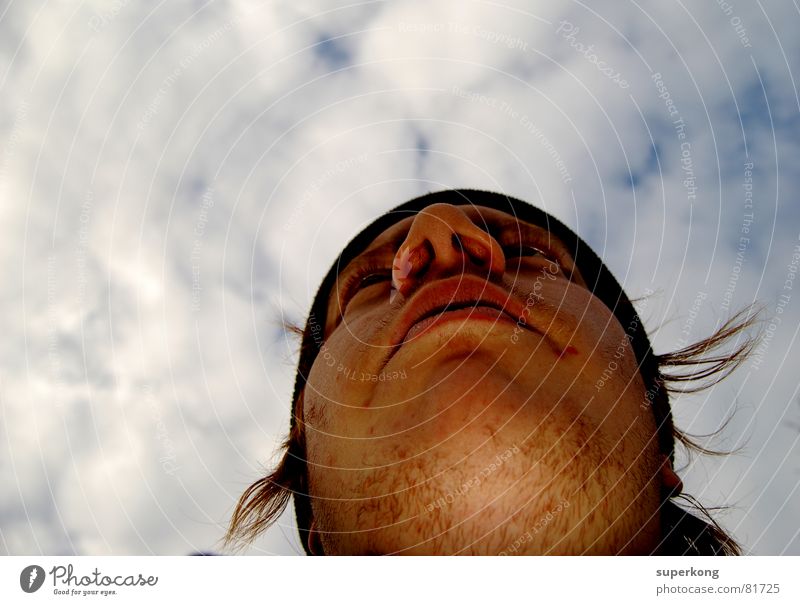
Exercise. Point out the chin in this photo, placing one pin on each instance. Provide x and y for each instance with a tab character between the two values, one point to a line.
498	518
519	489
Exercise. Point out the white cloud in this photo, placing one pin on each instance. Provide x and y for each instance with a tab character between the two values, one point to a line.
137	317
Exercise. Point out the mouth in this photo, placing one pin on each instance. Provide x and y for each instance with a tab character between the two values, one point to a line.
477	311
462	298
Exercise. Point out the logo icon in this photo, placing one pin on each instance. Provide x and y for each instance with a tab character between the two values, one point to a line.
31	578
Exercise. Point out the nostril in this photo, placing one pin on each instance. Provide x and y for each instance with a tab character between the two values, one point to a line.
411	263
423	258
478	253
456	242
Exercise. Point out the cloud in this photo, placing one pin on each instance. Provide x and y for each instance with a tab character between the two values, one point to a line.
178	176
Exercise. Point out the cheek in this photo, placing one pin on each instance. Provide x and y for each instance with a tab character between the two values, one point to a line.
340	374
338	392
593	328
605	368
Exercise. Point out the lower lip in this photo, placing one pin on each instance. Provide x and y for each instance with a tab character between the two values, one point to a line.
479	313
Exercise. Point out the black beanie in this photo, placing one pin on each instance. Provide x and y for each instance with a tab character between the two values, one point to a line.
597	276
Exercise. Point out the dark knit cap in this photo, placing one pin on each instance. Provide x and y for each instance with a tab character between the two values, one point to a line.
597	276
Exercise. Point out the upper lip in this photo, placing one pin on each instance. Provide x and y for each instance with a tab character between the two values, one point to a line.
455	293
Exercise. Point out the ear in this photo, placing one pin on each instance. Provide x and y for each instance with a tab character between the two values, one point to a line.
670	481
314	542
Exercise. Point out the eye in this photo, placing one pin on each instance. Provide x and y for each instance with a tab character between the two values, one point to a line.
521	251
526	246
362	279
525	250
372	279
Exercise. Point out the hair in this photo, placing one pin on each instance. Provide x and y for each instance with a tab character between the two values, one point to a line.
691	369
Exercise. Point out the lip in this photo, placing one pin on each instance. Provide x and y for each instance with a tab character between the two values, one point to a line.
442	298
462	314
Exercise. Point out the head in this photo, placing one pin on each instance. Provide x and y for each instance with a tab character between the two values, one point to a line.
473	380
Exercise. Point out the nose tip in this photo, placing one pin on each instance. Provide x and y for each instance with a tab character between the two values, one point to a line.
443	240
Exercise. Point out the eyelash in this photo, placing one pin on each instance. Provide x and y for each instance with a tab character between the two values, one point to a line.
519	250
519	244
355	282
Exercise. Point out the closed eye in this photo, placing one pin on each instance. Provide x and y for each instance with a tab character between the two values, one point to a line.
372	279
520	250
361	279
519	240
525	250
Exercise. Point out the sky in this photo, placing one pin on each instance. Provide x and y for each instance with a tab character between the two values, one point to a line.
176	178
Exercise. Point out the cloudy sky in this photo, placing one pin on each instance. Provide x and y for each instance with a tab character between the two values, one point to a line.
176	177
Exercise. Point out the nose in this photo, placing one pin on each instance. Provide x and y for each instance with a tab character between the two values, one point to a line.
444	241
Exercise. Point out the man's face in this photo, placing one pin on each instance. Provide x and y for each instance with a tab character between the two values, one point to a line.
473	396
